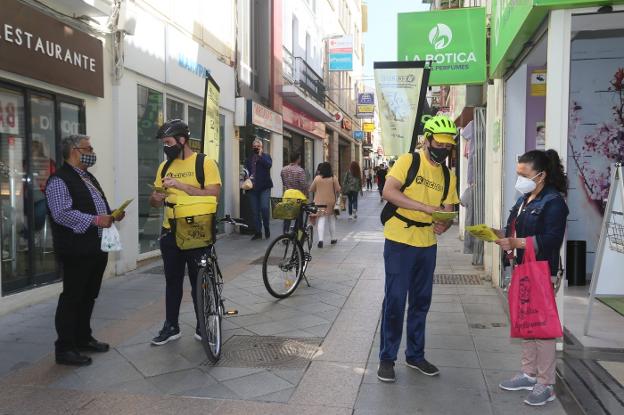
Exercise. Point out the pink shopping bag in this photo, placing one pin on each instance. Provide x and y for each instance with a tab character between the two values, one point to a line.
532	307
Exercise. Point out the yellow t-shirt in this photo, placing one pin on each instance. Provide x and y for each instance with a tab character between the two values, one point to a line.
184	172
428	188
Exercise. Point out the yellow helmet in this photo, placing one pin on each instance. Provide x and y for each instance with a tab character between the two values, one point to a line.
440	124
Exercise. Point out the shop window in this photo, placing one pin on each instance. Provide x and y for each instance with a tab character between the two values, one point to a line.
28	156
150	155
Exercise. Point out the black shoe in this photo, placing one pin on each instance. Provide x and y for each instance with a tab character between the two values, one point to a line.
424	367
267	234
320	244
256	236
385	372
72	358
94	346
168	333
334	241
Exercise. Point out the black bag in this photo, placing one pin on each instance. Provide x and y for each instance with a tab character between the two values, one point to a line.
390	210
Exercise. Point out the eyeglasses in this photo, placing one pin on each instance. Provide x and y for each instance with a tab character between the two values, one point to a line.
89	149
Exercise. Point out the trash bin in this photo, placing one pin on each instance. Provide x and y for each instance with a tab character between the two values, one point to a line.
576	262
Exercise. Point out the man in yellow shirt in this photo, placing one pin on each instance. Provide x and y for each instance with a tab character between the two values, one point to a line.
179	180
411	246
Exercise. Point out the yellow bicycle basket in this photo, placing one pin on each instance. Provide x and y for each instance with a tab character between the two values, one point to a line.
288	206
192	220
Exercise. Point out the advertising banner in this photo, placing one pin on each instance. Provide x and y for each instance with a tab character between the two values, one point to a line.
453	40
401	90
341	53
368	127
366	105
210	128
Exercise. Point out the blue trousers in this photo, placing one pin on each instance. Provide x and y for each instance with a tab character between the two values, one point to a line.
409	276
260	209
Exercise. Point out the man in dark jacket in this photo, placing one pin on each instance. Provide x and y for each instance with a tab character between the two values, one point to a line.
259	167
79	211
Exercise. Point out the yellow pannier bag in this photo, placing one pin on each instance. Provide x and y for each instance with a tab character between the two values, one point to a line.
192	220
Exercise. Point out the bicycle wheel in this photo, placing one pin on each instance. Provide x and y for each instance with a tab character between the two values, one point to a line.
209	313
310	238
282	265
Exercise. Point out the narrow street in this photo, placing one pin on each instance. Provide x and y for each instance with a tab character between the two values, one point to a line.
325	341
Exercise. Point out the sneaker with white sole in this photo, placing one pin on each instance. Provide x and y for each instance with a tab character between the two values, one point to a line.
540	395
168	333
197	335
385	371
521	381
423	366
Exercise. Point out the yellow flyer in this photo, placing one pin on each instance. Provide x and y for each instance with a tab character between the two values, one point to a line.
482	232
121	208
442	216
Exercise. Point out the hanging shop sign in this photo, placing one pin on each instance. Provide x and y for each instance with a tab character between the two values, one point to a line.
368	127
365	105
38	46
210	129
347	124
358	135
401	89
453	40
264	117
300	120
341	53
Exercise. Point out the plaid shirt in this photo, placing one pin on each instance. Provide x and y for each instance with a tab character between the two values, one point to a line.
60	204
293	177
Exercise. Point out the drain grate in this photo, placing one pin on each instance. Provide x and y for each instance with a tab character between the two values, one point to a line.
268	352
457	279
482	326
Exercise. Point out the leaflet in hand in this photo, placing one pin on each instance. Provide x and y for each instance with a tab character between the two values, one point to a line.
117	212
482	232
443	216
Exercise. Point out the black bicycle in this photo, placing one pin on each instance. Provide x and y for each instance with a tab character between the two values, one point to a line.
210	310
287	257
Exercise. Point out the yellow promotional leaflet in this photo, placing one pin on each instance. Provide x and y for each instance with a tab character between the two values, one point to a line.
115	213
442	216
482	232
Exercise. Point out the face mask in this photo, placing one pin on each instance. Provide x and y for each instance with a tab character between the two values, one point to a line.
438	155
524	185
88	159
173	151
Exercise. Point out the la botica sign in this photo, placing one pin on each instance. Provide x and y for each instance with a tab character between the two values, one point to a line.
453	40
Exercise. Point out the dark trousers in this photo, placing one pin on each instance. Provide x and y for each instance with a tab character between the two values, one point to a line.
353	201
82	279
409	274
369	184
380	187
175	261
259	203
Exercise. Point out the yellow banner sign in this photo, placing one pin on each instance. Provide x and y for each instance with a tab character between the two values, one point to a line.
368	127
211	119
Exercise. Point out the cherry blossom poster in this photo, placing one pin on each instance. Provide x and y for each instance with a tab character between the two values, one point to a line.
596	131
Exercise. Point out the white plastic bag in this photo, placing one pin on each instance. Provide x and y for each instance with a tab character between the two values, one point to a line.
111	241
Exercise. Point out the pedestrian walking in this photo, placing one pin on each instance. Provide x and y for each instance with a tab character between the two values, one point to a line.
259	167
326	190
369	180
352	186
182	174
293	177
539	214
410	248
79	211
382	171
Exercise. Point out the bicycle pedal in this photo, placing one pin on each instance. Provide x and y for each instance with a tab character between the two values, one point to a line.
307	257
231	312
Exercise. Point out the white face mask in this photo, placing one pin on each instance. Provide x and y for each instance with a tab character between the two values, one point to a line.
524	185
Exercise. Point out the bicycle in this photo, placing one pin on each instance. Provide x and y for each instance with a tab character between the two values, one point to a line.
287	257
210	310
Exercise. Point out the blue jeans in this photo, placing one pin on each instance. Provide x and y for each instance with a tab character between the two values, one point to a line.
409	275
259	201
353	201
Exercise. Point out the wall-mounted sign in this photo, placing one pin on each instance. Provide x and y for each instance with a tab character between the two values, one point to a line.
368	127
303	122
210	128
264	117
453	40
341	53
37	46
538	83
346	124
358	135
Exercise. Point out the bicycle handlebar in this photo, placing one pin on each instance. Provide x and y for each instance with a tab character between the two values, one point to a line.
233	221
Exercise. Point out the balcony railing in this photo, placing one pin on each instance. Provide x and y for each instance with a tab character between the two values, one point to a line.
297	70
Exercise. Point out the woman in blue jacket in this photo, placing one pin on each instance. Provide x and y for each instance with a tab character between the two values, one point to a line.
540	214
259	167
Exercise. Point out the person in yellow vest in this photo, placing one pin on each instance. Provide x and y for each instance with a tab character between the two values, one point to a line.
411	246
179	180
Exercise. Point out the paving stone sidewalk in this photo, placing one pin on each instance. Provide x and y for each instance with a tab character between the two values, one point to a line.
336	320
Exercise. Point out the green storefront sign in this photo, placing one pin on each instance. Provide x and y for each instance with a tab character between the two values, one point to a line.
453	40
514	22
